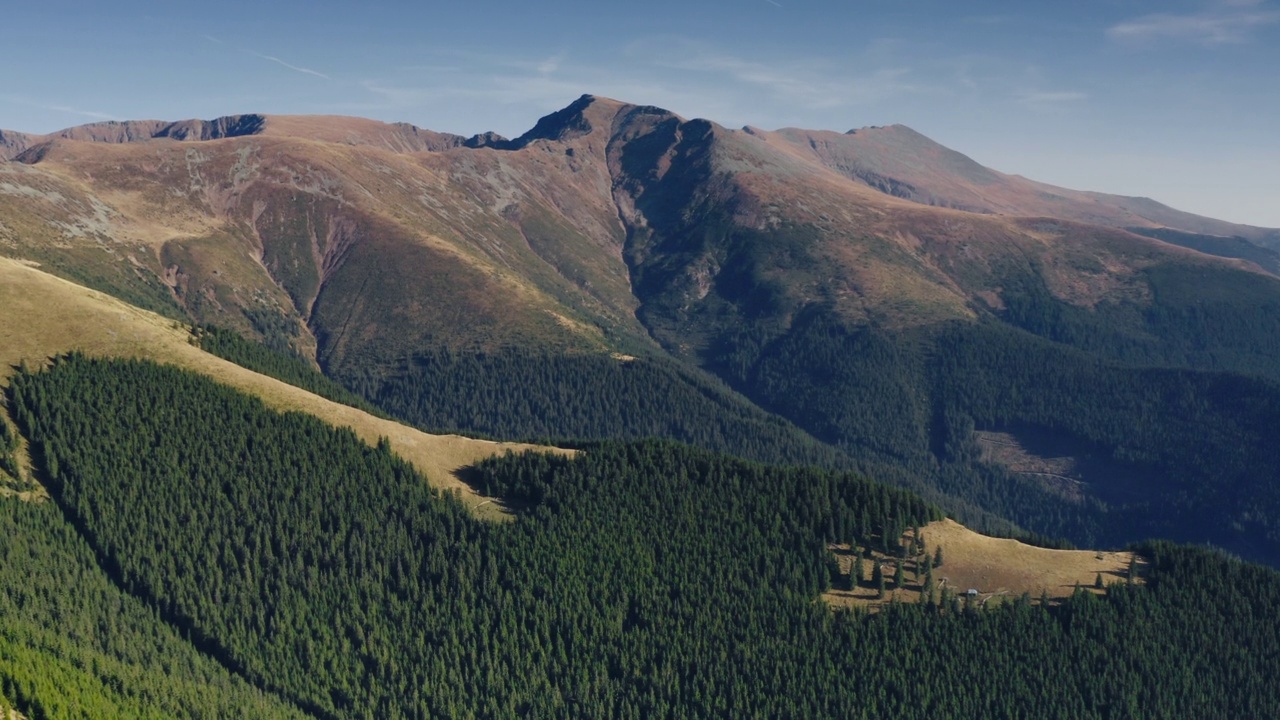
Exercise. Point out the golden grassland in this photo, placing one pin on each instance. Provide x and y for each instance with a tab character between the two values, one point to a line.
999	569
44	316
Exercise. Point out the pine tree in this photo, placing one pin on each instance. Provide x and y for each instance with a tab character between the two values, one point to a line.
937	557
877	579
898	575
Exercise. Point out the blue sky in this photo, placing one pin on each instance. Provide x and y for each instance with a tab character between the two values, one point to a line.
1179	101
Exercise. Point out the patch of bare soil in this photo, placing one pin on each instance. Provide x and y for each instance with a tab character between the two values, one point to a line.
1060	473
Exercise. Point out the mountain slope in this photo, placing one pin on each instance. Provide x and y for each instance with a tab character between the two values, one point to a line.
901	162
823	276
44	316
554	239
75	645
323	570
281	236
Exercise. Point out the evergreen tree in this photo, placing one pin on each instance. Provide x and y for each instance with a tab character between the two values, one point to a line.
328	574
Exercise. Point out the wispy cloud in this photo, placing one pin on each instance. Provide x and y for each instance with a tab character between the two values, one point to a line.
1051	99
57	107
1225	22
987	19
271	58
295	68
693	77
551	64
808	83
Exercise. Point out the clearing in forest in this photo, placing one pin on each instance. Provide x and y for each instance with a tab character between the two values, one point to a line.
998	569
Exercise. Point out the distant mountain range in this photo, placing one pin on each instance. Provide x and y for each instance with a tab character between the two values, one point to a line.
881	295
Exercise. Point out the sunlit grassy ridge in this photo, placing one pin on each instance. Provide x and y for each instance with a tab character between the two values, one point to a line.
45	316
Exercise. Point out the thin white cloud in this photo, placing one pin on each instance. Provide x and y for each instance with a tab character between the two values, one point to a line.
692	77
271	58
57	107
774	3
1226	22
551	64
1054	102
987	19
278	61
812	84
1053	98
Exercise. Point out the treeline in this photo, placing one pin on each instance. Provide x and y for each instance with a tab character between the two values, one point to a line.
8	450
1204	317
277	363
1187	454
512	394
643	580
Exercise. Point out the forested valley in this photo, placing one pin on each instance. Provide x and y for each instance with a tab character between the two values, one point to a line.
301	572
1188	449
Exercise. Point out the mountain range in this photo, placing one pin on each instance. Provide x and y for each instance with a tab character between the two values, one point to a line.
872	298
630	416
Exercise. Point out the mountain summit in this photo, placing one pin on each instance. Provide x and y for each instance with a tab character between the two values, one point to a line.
605	225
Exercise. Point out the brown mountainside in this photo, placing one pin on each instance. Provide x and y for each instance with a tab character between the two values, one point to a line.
13	143
899	161
888	296
603	227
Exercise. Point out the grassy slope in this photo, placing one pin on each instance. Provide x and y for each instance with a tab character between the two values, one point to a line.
997	568
44	315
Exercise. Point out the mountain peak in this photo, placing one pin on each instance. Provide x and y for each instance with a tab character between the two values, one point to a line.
562	124
583	116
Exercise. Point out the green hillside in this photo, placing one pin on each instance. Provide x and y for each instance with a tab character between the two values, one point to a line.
642	580
1181	454
514	394
75	645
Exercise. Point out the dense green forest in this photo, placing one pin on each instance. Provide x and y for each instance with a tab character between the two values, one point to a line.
1188	454
642	580
9	471
519	395
1177	453
74	645
278	363
1198	317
